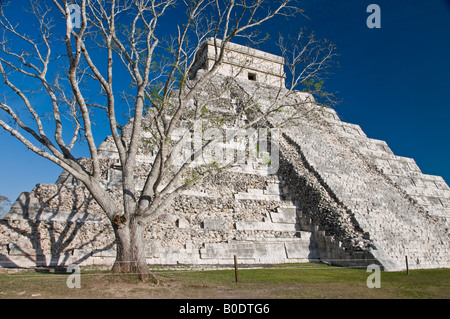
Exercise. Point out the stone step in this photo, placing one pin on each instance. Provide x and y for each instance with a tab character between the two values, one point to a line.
267	226
260	251
285	215
300	236
273	189
257	196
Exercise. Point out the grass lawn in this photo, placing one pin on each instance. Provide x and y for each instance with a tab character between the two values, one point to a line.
280	281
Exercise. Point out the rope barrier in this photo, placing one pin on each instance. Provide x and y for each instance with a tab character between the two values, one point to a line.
62	270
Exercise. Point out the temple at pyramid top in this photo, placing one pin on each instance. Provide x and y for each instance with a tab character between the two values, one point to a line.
241	62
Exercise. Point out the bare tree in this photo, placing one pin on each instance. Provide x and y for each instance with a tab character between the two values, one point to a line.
68	58
4	205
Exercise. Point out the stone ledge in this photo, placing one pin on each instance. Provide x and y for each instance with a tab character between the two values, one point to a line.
256	196
287	215
267	226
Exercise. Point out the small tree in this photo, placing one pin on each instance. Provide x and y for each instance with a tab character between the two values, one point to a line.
96	40
4	205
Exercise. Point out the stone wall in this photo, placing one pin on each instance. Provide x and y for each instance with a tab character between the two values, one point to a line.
228	214
383	212
241	62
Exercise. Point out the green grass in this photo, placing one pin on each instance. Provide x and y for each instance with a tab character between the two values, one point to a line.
321	281
280	281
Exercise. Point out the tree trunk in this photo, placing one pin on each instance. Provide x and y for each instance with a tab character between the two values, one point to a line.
130	250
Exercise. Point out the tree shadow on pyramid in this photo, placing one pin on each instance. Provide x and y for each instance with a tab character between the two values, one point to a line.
39	231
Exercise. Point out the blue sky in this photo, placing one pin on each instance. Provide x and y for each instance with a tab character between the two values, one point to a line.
394	82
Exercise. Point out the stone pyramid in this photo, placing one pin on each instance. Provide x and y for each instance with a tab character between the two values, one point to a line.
331	194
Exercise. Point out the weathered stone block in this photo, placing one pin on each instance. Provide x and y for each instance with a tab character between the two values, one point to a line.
273	189
267	226
17	249
301	249
257	196
445	202
215	224
104	253
285	215
81	253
